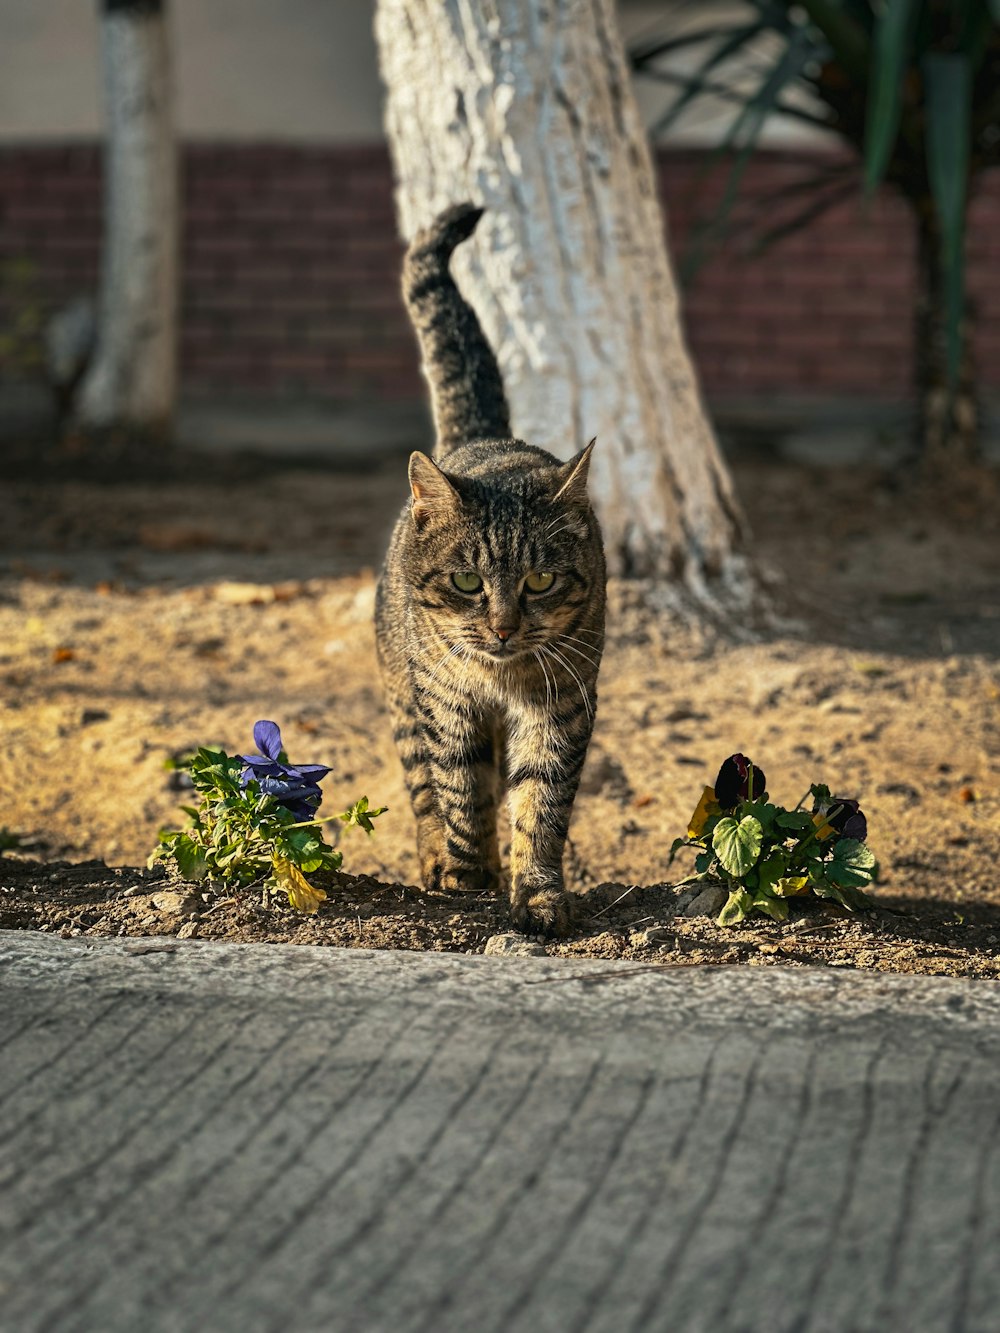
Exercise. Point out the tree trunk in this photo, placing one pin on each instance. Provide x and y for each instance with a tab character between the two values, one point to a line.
526	107
131	380
947	416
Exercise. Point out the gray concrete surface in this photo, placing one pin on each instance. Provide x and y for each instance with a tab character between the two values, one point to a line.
224	1137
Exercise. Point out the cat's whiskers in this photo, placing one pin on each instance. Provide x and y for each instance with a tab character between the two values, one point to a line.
583	643
465	664
567	666
591	661
548	689
536	654
452	652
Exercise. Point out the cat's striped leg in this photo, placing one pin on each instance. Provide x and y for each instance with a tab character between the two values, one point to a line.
463	773
545	753
408	735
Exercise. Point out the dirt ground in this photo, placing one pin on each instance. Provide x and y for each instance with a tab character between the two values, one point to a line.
147	606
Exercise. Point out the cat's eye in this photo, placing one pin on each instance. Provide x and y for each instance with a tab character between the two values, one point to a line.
537	582
467	580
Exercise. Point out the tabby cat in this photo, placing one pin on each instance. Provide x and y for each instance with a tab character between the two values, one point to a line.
489	615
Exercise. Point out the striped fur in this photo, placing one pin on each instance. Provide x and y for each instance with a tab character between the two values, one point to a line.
466	389
495	688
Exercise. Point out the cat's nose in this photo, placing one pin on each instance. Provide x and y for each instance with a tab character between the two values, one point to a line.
503	634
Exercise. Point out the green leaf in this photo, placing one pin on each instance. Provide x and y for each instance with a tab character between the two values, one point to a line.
738	40
745	130
852	864
302	842
776	908
688	879
737	845
796	820
190	858
641	53
822	887
764	812
815	871
304	847
853	899
848	39
948	81
703	861
856	900
771	869
790	886
740	904
359	815
890	56
675	847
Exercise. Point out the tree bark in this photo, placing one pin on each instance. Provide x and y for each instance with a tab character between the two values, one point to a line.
131	380
525	106
947	441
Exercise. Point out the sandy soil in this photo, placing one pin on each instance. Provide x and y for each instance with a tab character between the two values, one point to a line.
146	607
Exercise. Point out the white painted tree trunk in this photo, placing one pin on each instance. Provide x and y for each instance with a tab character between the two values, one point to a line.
131	381
525	106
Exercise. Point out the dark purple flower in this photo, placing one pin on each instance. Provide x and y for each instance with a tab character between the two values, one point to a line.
732	784
296	787
847	819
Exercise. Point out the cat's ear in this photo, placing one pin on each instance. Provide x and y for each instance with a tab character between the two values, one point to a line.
573	477
432	492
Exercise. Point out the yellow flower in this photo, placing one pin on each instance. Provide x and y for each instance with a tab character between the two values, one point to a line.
792	886
705	809
301	894
823	828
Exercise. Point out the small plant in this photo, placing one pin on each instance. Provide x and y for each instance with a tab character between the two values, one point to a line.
255	822
9	840
766	854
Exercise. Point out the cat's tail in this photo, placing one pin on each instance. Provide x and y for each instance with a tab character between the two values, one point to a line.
466	388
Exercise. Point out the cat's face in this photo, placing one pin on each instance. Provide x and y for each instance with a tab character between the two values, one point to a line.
502	592
504	569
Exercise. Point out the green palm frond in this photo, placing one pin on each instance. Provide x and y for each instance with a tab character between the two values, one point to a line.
893	39
913	86
948	82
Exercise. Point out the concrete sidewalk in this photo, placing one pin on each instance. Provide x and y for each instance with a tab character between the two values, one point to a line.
227	1137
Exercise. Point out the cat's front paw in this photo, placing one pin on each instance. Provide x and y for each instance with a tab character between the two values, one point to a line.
545	912
466	879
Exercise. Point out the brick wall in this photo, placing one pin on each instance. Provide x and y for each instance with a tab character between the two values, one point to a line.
290	264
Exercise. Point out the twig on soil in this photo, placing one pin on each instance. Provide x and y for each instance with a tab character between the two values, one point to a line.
223	902
631	889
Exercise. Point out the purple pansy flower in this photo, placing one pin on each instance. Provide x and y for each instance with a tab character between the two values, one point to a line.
846	818
296	787
732	784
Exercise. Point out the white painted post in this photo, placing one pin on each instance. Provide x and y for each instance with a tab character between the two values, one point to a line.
131	380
